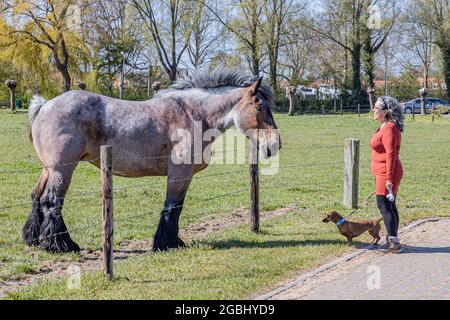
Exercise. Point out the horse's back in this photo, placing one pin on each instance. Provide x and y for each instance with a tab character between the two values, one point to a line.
75	124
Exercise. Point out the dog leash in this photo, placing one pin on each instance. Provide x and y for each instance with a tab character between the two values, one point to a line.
364	203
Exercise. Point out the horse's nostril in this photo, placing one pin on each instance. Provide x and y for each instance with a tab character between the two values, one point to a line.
269	152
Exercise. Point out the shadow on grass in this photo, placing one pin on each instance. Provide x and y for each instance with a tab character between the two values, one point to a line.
229	244
188	278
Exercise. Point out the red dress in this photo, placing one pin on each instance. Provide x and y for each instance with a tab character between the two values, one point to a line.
386	165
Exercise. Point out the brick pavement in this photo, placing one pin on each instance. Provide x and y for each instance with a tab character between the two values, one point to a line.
422	271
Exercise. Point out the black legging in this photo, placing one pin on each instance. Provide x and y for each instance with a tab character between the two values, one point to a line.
389	212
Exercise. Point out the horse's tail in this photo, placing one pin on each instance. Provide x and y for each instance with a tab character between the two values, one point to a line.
35	105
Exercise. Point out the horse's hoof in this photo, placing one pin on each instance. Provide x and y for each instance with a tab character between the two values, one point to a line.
159	245
30	238
180	243
59	244
30	231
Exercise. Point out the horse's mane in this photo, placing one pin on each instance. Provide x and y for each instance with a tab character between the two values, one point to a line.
221	78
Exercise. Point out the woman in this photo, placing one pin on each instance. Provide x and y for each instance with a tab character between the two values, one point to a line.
386	165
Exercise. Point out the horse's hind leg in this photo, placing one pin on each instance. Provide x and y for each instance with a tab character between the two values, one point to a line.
166	236
31	229
53	234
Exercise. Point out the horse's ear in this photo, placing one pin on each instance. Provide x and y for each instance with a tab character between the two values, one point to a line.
255	87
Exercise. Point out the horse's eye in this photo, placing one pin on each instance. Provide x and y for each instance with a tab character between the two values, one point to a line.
258	108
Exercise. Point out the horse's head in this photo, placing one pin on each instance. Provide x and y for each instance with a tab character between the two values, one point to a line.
254	117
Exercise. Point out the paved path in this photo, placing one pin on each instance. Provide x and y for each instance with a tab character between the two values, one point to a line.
421	272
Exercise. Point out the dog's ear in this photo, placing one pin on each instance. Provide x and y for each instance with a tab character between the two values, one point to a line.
334	216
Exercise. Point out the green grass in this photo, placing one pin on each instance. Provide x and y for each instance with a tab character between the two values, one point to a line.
234	263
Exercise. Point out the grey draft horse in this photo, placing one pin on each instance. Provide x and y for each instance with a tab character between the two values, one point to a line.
72	127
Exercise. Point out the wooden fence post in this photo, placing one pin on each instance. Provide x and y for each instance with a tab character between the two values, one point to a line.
351	173
254	185
359	110
107	210
323	110
342	110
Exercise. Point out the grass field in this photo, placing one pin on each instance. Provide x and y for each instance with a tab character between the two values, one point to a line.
234	263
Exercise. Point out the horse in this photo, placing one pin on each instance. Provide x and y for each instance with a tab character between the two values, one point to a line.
71	128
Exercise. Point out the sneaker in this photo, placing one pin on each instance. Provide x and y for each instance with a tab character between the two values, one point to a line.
394	245
383	248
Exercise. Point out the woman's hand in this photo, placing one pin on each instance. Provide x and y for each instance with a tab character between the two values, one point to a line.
389	184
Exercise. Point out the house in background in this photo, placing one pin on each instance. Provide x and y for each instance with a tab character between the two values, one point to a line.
434	83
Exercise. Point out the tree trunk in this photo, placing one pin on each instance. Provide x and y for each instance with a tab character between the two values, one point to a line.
174	64
149	82
446	61
372	97
255	61
273	73
110	86
122	78
66	78
255	39
356	64
64	70
12	84
423	95
173	73
291	97
368	59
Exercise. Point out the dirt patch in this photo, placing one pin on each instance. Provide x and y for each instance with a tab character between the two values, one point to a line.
92	259
238	217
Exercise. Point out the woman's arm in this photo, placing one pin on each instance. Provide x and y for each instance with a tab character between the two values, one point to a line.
389	140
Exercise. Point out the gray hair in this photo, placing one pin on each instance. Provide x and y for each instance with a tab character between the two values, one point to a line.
394	110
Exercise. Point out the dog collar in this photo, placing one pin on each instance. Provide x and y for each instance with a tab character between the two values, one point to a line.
340	221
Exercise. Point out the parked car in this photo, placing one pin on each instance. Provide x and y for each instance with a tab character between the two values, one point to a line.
431	103
305	91
327	91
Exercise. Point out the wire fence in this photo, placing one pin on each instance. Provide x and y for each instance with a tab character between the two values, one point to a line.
310	148
218	177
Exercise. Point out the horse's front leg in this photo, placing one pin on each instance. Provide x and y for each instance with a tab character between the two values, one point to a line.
166	236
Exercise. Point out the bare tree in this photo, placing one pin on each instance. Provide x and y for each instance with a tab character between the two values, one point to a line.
373	38
418	43
435	14
246	25
296	53
277	13
164	21
341	23
206	35
116	39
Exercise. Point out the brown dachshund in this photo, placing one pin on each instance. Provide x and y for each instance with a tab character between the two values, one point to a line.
354	229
